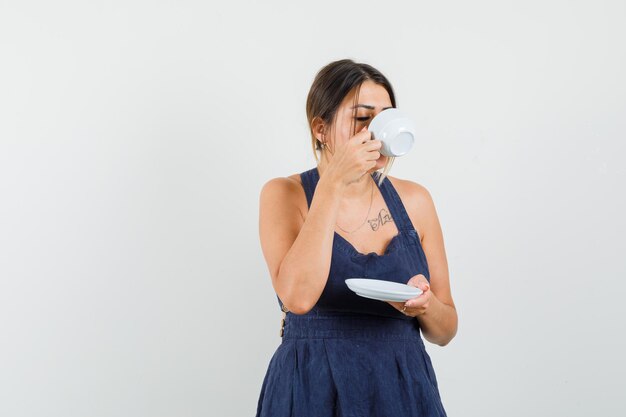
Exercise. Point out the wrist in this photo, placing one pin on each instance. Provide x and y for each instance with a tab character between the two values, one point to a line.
334	186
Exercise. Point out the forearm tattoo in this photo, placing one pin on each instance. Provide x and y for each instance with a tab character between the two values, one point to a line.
383	217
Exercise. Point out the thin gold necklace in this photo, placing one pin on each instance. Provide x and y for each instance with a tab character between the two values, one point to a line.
368	212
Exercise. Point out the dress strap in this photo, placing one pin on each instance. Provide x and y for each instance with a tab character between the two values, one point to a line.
389	193
398	211
309	182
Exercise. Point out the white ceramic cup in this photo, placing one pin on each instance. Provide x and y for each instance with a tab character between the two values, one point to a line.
395	130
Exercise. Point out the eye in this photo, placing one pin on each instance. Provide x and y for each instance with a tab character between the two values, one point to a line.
363	119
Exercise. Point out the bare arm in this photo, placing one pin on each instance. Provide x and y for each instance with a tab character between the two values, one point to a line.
439	321
434	309
298	252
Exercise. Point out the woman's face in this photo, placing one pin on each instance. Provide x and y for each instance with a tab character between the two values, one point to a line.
373	98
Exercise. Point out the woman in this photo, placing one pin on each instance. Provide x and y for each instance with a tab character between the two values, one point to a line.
342	354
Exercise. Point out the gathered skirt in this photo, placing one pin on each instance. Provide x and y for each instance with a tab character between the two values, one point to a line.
350	365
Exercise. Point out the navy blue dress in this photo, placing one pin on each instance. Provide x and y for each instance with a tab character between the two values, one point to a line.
352	356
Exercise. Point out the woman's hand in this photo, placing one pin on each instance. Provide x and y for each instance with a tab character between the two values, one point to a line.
354	159
418	305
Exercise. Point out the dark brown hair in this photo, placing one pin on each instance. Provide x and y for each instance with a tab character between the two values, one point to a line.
331	85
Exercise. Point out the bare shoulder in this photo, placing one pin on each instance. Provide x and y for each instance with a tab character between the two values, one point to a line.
410	190
284	191
282	185
417	201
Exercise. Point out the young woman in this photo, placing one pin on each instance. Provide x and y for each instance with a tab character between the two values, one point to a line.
343	354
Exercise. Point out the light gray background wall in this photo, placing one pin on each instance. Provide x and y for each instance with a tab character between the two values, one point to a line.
135	137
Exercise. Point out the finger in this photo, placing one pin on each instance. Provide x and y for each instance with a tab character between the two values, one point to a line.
372	155
420	286
396	305
423	285
413	283
416	279
363	136
372	145
415	302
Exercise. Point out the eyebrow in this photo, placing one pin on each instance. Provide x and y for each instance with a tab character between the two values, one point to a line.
368	106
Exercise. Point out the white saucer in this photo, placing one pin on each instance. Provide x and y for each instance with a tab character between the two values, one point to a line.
382	290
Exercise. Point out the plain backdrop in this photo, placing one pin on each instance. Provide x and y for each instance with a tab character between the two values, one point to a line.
135	137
